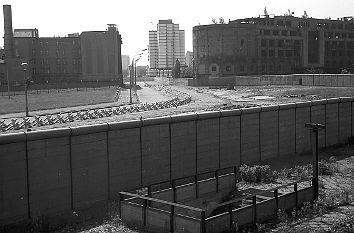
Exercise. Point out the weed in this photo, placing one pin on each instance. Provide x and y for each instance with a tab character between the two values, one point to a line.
327	168
257	173
345	225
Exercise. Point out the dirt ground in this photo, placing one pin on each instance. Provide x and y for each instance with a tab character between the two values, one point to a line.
202	99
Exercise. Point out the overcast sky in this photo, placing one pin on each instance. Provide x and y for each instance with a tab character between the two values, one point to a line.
134	18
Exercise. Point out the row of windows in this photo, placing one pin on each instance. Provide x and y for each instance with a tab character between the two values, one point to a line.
280	43
337	35
59	43
252	68
58	70
274	32
339	53
58	52
280	53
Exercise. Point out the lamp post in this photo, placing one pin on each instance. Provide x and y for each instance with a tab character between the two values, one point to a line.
130	83
24	65
315	128
132	67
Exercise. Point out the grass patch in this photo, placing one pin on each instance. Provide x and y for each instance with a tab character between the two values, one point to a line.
53	100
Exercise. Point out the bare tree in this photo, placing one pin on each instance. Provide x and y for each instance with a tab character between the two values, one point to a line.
221	20
214	21
265	11
289	13
305	15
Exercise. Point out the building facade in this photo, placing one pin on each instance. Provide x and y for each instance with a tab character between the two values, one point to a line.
189	59
89	56
166	45
274	45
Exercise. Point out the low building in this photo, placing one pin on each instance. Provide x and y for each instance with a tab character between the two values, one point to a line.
89	56
274	45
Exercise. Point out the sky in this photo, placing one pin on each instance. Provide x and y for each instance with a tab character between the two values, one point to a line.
134	18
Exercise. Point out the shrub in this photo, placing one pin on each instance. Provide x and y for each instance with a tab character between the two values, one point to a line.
257	173
327	168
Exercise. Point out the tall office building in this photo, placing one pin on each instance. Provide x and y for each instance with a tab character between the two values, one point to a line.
166	45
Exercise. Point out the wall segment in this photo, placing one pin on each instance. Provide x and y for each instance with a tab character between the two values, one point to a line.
51	172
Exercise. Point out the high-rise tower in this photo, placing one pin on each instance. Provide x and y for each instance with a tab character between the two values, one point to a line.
166	45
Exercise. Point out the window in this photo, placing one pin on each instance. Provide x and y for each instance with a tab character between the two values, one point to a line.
228	68
271	53
242	42
275	32
242	68
293	33
213	68
263	43
263	53
288	23
280	53
288	53
284	33
267	32
271	43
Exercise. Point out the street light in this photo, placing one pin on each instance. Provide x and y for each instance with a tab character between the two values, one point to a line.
24	65
132	78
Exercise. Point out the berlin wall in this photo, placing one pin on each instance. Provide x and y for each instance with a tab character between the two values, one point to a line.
57	171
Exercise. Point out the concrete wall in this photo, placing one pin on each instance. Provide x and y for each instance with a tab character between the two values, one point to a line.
51	172
328	80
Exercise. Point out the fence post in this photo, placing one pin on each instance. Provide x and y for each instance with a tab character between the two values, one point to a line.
235	176
217	181
203	227
196	186
145	213
254	204
231	217
149	194
276	201
120	199
296	195
171	218
174	191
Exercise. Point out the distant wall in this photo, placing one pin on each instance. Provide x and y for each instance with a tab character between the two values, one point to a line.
56	171
328	80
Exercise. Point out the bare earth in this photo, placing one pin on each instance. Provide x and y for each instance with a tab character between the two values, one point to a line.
203	99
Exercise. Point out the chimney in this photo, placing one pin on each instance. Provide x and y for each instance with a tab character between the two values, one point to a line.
8	34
